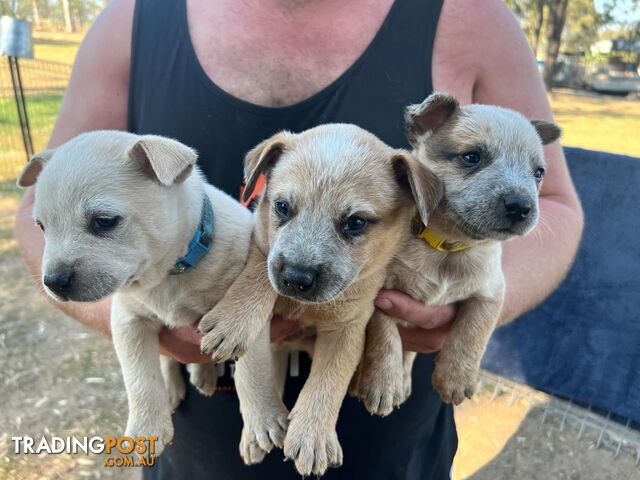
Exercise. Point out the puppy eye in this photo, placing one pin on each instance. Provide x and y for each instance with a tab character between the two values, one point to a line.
471	159
39	224
355	225
102	223
539	173
283	209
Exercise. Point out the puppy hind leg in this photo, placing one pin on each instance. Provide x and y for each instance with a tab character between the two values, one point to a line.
173	381
280	360
263	413
407	364
203	376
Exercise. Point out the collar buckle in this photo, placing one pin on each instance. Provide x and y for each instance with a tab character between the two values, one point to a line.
436	242
200	243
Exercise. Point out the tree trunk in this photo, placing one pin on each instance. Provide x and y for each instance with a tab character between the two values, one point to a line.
68	21
537	28
36	13
556	18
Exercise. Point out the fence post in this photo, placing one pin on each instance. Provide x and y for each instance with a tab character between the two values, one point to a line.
16	43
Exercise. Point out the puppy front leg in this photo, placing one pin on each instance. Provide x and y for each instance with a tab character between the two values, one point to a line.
137	346
236	321
312	441
458	363
263	413
380	383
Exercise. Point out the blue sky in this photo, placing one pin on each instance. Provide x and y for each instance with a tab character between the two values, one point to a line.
624	10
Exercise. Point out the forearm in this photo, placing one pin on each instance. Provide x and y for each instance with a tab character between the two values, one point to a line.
536	264
30	239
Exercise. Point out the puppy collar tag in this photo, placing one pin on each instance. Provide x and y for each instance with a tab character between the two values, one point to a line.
201	241
437	242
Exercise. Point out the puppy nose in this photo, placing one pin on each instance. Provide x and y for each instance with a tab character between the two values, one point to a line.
299	277
59	281
517	207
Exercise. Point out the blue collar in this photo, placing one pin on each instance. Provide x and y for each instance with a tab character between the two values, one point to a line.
201	241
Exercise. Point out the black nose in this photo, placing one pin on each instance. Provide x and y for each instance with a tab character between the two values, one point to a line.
517	207
298	277
59	281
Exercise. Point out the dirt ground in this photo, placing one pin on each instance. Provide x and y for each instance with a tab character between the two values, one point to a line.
60	378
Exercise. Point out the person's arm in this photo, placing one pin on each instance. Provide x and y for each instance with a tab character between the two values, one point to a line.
482	56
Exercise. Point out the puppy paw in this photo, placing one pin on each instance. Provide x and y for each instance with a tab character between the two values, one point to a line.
382	394
312	449
203	376
161	427
381	386
226	337
176	388
261	432
453	382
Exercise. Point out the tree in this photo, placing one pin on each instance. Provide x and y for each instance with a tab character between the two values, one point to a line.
68	20
537	28
556	19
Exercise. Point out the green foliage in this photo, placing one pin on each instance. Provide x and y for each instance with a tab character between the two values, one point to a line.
582	25
49	13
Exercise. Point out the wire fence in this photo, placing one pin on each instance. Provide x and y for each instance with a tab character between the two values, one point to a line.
44	83
596	428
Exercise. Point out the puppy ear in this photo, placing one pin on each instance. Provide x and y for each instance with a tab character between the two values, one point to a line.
163	159
261	158
426	188
547	131
429	115
32	169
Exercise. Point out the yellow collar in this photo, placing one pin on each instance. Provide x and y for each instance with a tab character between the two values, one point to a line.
441	244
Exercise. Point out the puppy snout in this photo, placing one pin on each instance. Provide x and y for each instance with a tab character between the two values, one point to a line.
299	278
60	281
517	207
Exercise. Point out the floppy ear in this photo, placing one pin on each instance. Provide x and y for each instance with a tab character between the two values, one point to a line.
32	169
429	115
261	158
547	131
426	188
163	159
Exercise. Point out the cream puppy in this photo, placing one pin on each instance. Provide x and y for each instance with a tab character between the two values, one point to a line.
336	203
131	216
490	163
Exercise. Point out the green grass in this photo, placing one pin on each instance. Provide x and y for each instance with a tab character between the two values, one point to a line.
56	46
43	109
597	122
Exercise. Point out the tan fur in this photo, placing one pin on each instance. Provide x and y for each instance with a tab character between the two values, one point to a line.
152	184
322	170
441	131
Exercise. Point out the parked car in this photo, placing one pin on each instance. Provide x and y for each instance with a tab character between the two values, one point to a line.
608	80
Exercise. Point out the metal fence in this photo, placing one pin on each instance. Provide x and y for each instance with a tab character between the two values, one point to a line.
26	118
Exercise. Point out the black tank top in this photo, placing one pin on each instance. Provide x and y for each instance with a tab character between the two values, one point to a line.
170	94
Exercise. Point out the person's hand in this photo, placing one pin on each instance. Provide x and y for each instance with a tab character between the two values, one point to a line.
283	328
432	324
183	344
